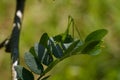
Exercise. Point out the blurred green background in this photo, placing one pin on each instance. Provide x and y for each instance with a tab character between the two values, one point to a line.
51	17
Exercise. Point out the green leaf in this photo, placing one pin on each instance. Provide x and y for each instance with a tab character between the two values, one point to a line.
65	38
72	47
93	42
92	48
44	55
63	46
78	48
95	51
33	64
58	38
33	52
41	52
48	59
44	40
96	35
23	74
56	50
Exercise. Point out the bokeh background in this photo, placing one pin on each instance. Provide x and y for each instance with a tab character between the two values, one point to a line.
51	17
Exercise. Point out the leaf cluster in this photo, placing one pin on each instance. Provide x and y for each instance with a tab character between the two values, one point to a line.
43	56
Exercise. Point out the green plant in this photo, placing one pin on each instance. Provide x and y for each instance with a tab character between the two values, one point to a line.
43	56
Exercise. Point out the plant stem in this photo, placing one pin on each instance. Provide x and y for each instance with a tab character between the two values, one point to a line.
14	39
